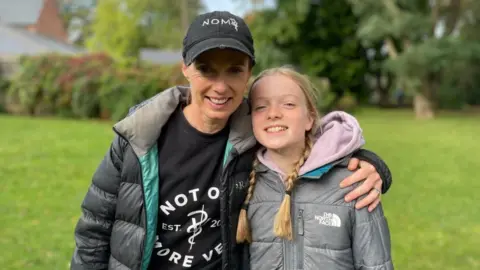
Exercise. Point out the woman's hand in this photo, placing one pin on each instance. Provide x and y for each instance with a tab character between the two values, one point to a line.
372	184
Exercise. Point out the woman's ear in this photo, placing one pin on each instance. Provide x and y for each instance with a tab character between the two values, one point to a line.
185	71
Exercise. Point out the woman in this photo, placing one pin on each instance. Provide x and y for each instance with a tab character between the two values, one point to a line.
168	192
299	219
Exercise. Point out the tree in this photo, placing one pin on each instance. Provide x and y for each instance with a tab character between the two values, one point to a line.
77	18
318	37
116	29
121	28
166	21
429	45
379	78
471	75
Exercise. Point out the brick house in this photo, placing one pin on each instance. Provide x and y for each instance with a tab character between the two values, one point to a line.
37	16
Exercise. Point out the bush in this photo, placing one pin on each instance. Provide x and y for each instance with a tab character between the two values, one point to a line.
4	85
87	86
348	103
324	95
121	88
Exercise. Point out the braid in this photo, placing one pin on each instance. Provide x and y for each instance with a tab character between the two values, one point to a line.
283	221
243	227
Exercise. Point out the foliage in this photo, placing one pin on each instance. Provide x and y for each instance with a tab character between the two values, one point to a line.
77	18
426	58
84	86
4	85
167	21
121	88
308	34
122	28
116	29
347	103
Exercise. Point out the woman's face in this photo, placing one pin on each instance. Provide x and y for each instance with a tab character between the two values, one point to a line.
280	114
218	80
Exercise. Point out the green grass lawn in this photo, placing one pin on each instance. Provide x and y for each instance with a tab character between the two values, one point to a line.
432	207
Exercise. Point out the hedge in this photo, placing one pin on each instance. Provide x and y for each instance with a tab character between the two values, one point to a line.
88	86
94	86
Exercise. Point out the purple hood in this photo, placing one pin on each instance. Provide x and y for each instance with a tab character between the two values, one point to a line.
339	135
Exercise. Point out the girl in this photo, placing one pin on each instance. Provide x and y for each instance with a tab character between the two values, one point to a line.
295	207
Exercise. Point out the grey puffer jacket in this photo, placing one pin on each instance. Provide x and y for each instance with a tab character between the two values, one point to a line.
328	233
117	228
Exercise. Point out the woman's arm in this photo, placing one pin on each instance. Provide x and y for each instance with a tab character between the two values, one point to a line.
374	173
380	167
93	230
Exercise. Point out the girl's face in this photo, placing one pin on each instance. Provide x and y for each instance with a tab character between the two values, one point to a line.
280	115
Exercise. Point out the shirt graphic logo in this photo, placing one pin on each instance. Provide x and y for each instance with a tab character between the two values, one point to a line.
196	227
191	226
230	21
329	219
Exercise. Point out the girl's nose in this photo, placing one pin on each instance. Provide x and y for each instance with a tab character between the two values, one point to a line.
274	112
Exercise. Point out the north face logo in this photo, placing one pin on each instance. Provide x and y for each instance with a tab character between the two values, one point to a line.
329	219
222	21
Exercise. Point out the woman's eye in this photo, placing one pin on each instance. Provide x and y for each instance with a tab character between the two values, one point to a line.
236	70
203	69
290	105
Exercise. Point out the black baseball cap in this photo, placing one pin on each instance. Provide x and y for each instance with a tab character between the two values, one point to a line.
217	29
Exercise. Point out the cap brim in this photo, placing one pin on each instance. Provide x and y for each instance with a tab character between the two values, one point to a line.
215	43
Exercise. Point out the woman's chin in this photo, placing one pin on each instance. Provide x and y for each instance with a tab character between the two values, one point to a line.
220	116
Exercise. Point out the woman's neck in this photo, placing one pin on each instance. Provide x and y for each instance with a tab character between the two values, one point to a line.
202	123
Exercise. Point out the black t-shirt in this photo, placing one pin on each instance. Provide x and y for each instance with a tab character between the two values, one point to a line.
190	164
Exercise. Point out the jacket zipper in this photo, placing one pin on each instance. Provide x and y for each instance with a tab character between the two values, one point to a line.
225	175
287	244
299	242
142	251
288	258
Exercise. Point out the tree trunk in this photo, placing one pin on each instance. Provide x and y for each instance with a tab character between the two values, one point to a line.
384	81
423	107
384	95
384	100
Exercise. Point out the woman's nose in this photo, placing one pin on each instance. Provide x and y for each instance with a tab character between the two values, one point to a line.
220	86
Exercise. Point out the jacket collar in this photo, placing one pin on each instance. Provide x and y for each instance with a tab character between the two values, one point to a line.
143	126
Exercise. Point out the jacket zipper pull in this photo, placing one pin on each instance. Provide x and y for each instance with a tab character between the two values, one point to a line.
300	222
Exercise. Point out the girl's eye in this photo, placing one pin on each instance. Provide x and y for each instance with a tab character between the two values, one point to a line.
258	108
289	105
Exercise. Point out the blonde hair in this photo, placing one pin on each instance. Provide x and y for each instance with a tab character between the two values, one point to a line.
283	224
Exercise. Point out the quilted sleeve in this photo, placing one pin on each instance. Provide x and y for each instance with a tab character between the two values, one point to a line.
93	229
379	165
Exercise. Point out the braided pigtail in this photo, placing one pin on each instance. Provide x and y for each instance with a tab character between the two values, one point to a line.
283	221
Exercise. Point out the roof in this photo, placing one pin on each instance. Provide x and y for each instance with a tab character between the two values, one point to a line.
156	56
16	42
22	12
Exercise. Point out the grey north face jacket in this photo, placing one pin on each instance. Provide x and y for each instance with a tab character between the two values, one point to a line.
328	233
